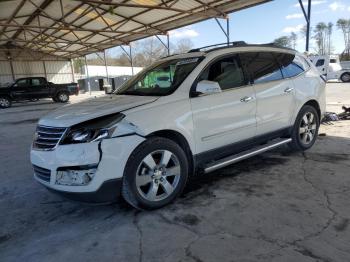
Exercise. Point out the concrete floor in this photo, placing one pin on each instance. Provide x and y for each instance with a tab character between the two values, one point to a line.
279	206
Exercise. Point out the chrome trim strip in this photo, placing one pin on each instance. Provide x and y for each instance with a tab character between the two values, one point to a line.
237	157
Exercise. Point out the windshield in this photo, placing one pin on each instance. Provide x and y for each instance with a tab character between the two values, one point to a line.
161	79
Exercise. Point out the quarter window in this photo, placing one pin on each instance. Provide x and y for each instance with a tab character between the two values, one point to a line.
292	65
261	66
227	72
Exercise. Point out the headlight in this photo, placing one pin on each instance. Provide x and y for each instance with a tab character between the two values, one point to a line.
93	130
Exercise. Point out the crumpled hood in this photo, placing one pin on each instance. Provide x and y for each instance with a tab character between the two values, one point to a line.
69	115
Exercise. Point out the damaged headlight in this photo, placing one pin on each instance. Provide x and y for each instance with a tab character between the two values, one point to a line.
93	130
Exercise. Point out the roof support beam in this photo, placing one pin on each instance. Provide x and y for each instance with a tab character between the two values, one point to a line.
308	21
155	7
227	31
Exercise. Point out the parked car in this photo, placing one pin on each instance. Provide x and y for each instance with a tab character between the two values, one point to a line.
329	66
34	88
144	142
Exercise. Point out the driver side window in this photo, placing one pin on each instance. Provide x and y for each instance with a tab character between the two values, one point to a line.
227	72
21	83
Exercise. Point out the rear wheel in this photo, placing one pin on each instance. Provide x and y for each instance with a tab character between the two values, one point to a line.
305	128
62	97
155	174
345	77
5	102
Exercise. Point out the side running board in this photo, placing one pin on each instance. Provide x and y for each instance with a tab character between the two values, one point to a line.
245	154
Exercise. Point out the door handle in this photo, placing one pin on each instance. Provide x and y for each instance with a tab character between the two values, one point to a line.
246	99
288	89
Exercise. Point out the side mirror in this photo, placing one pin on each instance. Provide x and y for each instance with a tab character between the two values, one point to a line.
208	87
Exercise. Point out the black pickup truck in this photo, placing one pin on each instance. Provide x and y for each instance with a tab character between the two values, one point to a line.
34	88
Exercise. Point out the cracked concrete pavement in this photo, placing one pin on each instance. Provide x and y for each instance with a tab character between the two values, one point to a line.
279	206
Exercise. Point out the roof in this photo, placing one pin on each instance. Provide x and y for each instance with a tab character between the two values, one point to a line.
75	28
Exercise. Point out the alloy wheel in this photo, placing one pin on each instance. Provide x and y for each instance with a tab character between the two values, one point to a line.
63	97
158	175
307	128
4	102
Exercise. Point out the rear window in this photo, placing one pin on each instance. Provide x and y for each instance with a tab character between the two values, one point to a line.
333	61
262	66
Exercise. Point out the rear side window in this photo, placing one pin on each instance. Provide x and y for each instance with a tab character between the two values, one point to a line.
37	81
320	62
292	65
261	66
227	72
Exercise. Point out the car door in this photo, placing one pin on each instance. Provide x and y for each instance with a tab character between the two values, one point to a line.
19	90
274	95
221	119
38	88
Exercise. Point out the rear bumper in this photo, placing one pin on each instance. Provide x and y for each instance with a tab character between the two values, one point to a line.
109	191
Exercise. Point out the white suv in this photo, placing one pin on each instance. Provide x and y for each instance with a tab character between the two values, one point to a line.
144	141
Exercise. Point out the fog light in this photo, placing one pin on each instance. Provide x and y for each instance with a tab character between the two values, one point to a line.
75	177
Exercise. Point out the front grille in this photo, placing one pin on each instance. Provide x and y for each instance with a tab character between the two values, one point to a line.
42	173
47	137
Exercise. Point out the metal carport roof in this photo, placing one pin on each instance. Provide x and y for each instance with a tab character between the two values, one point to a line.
75	28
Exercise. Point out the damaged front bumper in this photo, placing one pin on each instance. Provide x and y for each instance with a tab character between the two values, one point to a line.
88	171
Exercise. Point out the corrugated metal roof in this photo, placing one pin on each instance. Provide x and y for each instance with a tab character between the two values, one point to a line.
75	28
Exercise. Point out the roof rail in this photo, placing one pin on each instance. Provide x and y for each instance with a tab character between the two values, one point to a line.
221	45
211	48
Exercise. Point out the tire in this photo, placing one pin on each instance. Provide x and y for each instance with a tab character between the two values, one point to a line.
149	184
305	129
34	100
62	97
345	77
5	102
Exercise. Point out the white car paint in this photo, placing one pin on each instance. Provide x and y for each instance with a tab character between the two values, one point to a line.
206	122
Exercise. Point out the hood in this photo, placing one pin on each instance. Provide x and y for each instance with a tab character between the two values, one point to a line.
69	115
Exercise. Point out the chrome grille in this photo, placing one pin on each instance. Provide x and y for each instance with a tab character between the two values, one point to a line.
47	137
42	173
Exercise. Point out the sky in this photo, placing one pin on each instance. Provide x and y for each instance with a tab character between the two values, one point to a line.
266	22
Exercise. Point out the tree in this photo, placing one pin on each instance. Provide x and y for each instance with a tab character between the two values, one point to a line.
183	45
320	37
344	26
283	41
293	39
329	33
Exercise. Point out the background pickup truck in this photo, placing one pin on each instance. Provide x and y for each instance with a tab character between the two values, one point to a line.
34	88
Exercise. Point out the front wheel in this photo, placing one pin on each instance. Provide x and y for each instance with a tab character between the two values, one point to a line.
62	97
305	129
155	174
5	102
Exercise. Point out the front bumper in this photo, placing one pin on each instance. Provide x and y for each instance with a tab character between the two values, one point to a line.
109	155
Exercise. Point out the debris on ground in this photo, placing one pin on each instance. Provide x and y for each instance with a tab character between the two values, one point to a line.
331	116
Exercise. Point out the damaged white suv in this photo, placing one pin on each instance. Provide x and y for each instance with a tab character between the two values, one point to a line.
218	107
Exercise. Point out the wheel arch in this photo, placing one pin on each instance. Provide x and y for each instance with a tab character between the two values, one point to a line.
315	105
181	141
